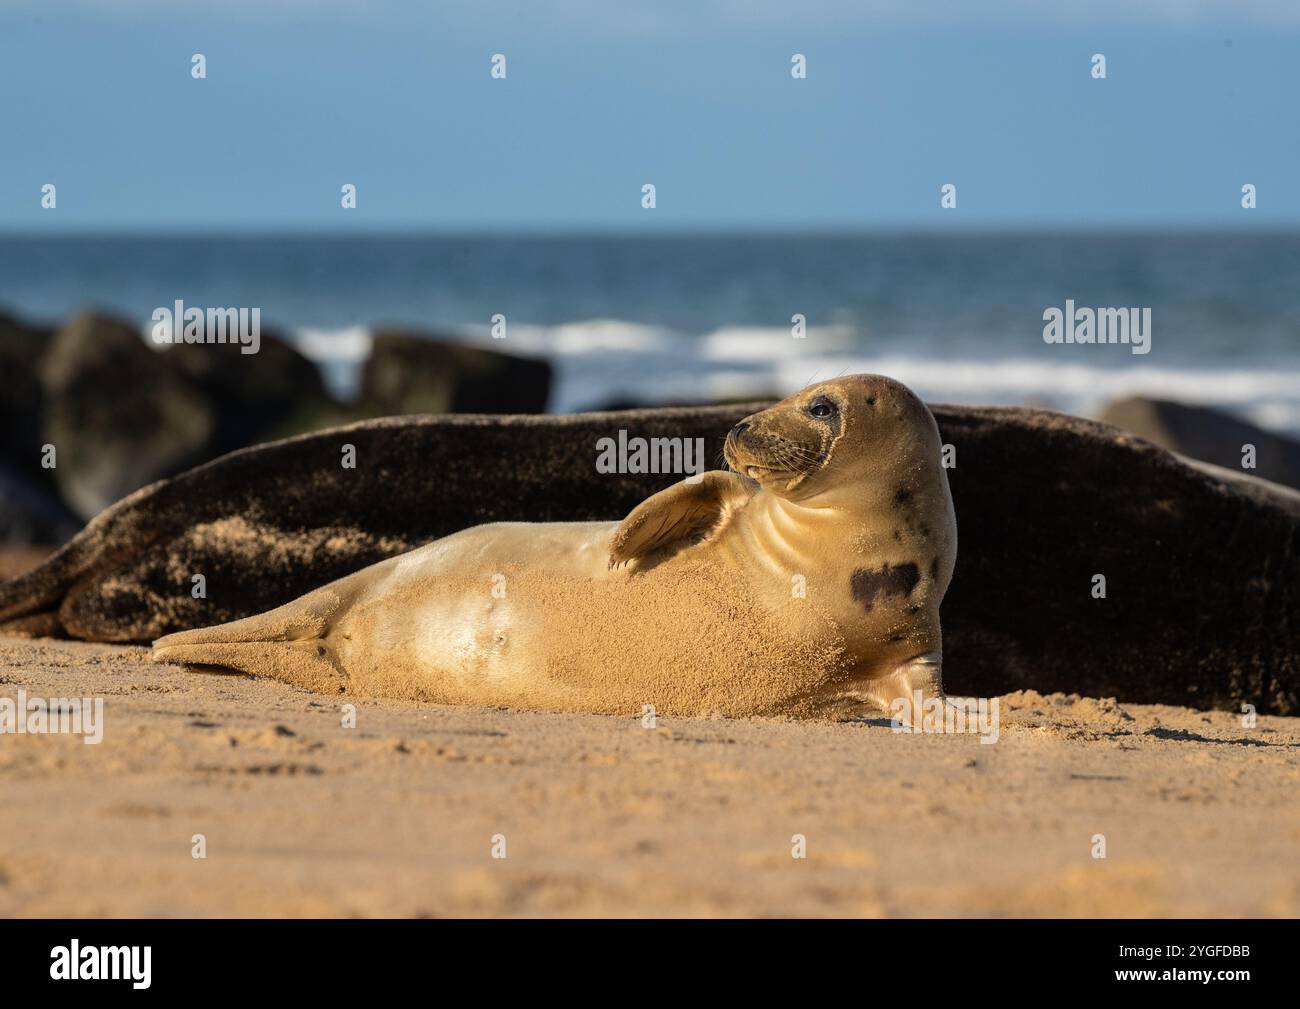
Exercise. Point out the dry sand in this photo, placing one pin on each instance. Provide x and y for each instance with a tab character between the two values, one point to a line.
603	817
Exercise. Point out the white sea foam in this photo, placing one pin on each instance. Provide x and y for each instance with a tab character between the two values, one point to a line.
591	336
1268	396
765	343
339	353
601	361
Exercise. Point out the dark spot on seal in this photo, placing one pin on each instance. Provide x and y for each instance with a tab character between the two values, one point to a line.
871	401
901	497
866	585
898	536
895	637
320	649
925	531
934	569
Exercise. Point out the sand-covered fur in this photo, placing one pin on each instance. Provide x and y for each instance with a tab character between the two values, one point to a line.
811	575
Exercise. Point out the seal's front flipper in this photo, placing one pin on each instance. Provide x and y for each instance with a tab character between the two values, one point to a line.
905	691
678	516
289	643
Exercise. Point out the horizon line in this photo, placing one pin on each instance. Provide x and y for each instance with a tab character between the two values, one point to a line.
219	232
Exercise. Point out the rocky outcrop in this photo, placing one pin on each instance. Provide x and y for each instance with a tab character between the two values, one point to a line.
253	397
1209	435
121	414
411	373
21	350
1201	568
117	414
31	509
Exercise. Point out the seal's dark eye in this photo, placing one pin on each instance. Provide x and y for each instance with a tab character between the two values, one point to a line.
822	409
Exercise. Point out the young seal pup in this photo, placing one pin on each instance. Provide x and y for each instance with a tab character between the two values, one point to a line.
809	577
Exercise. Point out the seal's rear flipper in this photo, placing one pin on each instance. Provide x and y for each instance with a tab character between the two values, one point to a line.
288	643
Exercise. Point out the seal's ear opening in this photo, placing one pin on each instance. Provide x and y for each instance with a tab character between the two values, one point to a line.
677	517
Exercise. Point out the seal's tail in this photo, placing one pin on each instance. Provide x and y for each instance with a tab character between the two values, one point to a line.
288	643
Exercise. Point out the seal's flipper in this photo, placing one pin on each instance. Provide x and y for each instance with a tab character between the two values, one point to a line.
905	691
678	516
289	643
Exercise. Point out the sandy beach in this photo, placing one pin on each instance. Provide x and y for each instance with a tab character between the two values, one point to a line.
600	816
687	462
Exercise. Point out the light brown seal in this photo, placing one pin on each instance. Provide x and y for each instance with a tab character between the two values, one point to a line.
810	576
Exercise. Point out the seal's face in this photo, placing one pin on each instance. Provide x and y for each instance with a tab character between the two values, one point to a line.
787	444
828	435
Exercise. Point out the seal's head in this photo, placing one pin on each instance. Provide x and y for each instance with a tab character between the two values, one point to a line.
834	435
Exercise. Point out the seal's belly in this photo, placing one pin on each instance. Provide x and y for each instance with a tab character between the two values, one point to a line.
446	621
539	621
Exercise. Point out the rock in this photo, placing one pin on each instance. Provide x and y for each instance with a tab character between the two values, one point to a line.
408	373
122	414
253	397
1209	435
119	414
1202	568
31	511
21	350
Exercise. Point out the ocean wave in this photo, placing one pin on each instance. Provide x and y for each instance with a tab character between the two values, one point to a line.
603	361
339	353
587	337
766	343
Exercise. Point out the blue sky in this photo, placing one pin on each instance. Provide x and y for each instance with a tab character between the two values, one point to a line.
695	97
